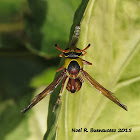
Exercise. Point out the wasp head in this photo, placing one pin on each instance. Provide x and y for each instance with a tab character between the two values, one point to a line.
72	53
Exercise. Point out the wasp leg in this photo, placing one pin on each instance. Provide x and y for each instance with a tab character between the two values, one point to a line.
60	94
86	62
58	100
60	69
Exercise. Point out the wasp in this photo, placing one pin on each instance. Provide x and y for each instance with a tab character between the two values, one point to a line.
73	75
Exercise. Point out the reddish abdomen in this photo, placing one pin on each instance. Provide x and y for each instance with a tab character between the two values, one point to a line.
74	85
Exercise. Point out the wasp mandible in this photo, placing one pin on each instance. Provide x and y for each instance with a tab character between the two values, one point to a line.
73	74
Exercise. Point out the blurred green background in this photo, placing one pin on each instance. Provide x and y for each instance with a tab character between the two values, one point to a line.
28	62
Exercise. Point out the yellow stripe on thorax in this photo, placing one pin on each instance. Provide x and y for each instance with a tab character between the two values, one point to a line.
68	60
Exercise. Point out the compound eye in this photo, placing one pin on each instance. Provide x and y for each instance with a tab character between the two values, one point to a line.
66	54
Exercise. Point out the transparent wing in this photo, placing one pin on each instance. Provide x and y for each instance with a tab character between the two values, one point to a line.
101	89
45	92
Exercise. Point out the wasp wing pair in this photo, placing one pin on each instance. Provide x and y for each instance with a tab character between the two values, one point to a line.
58	80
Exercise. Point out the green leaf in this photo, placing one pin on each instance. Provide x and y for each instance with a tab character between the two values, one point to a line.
41	78
16	73
112	29
49	23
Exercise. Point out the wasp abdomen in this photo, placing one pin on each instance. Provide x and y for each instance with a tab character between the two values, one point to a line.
74	85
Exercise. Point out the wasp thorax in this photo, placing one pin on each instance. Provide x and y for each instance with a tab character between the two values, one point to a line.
73	68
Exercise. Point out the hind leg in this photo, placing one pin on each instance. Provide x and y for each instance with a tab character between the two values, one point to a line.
61	92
